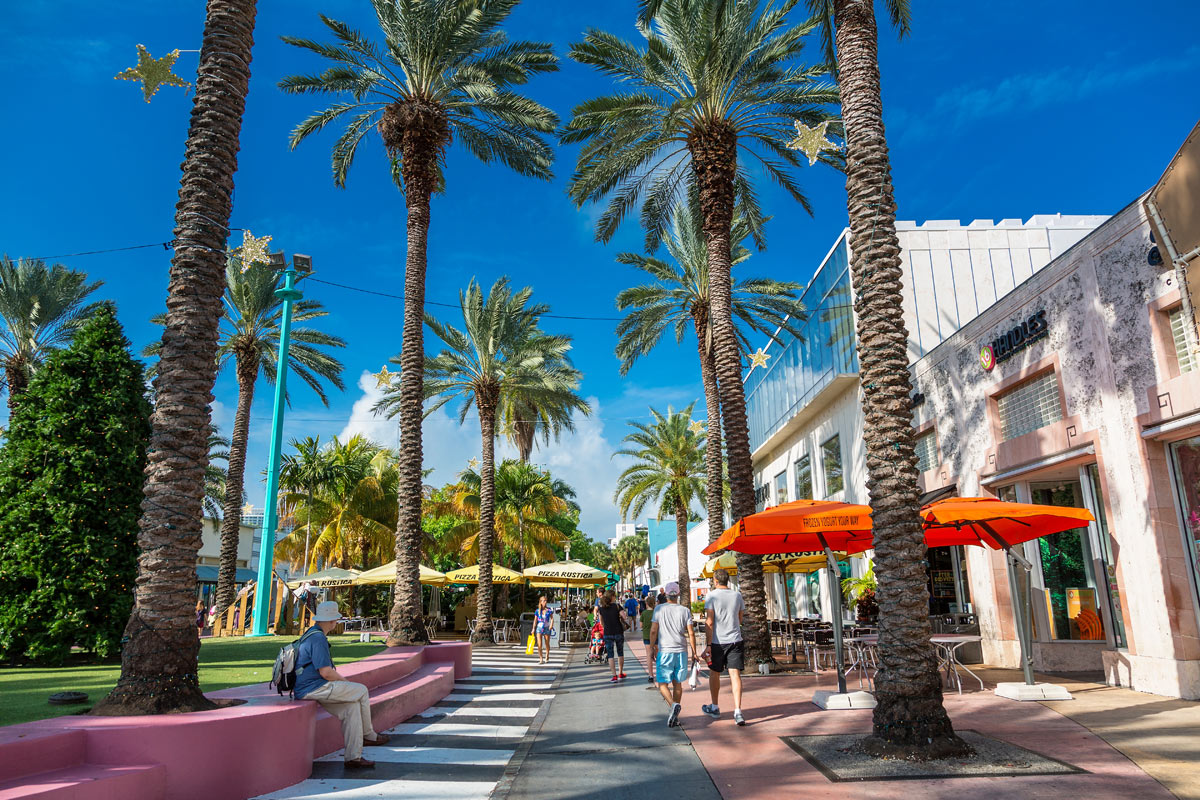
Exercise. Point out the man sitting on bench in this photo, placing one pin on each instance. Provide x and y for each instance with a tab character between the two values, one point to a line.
316	679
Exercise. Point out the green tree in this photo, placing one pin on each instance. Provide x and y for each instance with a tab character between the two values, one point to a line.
668	472
301	473
446	71
500	355
215	475
250	331
714	82
71	475
678	299
910	719
602	556
160	657
41	308
629	554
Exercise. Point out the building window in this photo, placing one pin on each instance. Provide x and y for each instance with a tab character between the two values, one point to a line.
1032	405
925	446
1186	362
803	469
781	489
831	460
1067	569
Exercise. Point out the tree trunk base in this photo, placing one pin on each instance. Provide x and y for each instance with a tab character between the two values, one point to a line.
928	749
170	695
408	636
486	638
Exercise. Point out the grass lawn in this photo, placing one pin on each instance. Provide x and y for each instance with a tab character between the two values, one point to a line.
225	662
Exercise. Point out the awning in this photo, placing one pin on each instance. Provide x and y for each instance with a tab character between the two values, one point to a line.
207	573
938	494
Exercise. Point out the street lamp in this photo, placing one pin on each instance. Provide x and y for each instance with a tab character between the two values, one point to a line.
289	294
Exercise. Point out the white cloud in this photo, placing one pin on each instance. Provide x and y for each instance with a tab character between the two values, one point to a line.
583	458
222	417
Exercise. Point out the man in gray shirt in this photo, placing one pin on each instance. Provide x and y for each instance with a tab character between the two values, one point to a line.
669	651
723	612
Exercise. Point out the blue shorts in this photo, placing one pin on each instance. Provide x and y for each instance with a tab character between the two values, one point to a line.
614	641
671	668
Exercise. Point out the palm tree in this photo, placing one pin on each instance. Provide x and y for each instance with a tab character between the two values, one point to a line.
677	299
668	472
352	511
215	476
521	424
910	719
40	310
249	340
160	655
303	472
715	81
446	71
499	357
629	554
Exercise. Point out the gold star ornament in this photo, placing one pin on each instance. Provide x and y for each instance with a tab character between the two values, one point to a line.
758	359
153	72
473	463
253	251
383	378
812	141
696	427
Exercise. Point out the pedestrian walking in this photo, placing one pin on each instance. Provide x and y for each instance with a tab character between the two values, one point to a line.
723	609
615	621
671	639
317	679
201	616
662	597
631	609
543	629
647	621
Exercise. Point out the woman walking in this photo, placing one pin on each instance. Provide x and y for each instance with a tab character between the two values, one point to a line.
616	622
543	629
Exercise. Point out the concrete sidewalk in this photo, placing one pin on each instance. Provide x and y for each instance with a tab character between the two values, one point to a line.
608	740
754	762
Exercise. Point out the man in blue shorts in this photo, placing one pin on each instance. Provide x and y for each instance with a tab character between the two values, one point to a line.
631	609
669	649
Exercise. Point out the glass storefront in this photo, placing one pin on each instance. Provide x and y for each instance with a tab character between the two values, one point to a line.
1185	457
1068	588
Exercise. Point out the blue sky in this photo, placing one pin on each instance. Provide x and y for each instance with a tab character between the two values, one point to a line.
1074	108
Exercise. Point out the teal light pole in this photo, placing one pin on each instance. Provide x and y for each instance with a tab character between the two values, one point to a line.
289	294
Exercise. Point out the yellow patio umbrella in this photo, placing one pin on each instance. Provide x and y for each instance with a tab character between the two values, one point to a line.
387	574
471	575
790	563
565	574
326	578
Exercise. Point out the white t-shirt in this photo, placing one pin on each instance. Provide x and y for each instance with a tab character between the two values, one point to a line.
673	621
725	605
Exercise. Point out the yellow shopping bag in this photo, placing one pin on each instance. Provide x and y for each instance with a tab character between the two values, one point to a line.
529	645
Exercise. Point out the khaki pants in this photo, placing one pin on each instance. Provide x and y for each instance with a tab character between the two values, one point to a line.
350	703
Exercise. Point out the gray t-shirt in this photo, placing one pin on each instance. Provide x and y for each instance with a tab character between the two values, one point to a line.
673	621
725	605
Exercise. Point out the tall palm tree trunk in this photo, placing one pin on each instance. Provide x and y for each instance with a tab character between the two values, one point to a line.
487	521
714	477
16	374
419	177
714	160
231	519
681	552
909	718
159	660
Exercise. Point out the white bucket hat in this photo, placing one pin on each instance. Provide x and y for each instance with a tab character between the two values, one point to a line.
327	611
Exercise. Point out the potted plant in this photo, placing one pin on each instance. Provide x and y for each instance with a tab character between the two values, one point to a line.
860	594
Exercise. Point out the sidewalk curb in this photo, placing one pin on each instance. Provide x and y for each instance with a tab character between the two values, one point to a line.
504	785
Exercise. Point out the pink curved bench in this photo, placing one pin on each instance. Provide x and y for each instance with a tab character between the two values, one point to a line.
236	752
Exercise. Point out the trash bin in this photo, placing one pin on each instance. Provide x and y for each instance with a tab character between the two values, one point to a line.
526	626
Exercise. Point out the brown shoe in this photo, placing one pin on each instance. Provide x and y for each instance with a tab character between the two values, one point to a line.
380	739
360	763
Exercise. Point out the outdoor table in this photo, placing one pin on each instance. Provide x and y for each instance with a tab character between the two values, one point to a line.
858	646
948	645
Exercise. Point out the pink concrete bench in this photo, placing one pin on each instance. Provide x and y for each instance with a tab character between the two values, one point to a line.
235	752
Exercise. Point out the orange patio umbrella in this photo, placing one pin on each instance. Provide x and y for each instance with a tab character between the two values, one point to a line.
999	524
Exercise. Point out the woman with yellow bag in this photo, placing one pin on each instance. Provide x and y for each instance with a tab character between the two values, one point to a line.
543	628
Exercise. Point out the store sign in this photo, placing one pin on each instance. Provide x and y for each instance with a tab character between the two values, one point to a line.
1008	343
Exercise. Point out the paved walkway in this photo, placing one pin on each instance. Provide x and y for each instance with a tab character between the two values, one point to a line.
456	750
608	740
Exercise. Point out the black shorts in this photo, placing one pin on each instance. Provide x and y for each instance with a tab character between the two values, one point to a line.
726	656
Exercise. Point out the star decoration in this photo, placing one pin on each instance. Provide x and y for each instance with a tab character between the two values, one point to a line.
811	141
383	378
473	463
247	509
153	72
696	427
758	359
253	251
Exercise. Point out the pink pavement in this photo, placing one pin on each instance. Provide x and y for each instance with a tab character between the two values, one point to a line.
267	743
752	762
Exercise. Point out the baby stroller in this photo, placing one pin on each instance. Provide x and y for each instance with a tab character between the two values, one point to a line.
596	649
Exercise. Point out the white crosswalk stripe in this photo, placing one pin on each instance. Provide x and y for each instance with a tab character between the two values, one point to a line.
455	750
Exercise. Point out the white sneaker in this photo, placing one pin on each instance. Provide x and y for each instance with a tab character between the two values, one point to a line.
673	717
712	710
738	718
